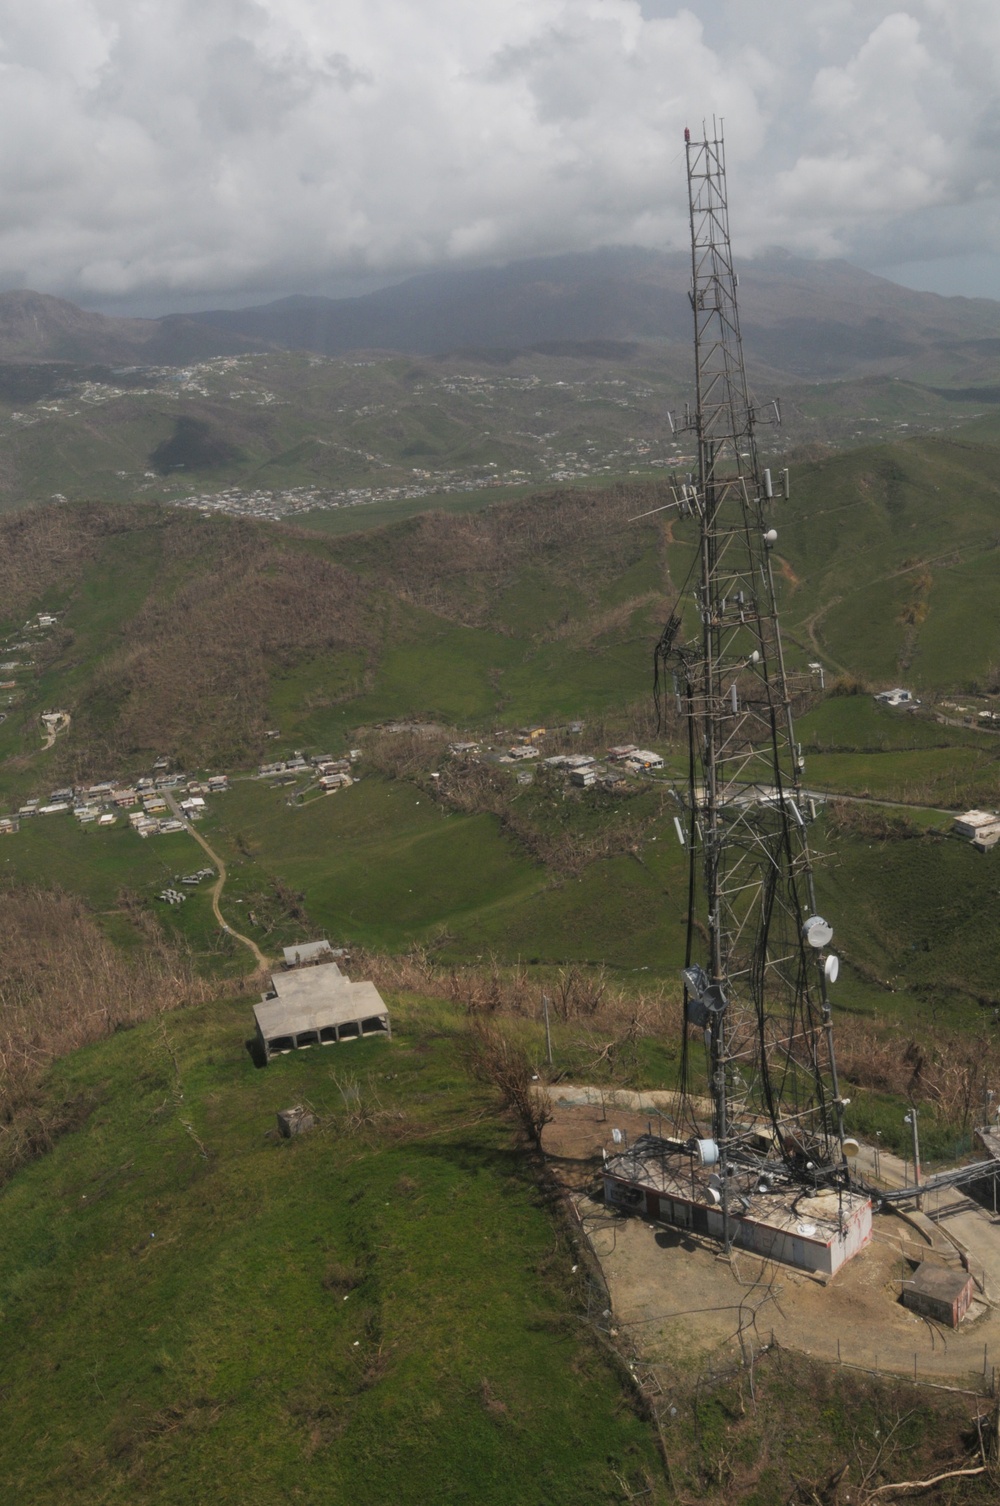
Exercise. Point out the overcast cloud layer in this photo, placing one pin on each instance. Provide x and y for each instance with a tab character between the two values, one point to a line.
166	152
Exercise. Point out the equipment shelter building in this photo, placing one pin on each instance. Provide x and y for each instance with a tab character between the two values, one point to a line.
317	1006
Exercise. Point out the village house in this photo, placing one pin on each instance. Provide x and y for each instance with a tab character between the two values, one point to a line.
335	781
643	760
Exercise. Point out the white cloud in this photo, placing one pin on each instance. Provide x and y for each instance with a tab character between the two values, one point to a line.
172	148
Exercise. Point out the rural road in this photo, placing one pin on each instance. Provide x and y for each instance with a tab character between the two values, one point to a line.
220	882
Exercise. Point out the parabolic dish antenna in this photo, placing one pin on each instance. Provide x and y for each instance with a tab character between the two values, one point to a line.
831	968
818	932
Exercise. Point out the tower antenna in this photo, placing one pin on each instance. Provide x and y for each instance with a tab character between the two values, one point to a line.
757	965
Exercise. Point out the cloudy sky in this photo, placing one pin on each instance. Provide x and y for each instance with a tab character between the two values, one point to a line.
159	154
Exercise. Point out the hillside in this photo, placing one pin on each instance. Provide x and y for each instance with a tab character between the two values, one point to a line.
192	638
191	635
538	373
188	635
35	327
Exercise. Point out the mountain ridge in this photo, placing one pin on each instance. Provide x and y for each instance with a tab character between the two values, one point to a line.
804	319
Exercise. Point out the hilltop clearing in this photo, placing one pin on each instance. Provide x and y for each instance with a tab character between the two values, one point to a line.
385	1308
388	1306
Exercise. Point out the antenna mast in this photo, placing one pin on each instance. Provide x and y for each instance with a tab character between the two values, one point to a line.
758	991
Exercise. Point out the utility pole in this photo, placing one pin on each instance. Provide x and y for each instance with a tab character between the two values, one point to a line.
911	1120
548	1033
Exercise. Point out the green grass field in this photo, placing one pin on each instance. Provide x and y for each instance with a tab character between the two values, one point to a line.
194	1309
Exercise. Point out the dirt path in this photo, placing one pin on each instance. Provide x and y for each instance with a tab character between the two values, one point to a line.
51	736
219	884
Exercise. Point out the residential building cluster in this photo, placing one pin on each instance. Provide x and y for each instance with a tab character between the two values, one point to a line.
163	802
152	805
583	770
329	773
17	655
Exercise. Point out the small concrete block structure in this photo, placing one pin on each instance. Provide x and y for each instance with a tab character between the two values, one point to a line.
940	1293
295	1121
307	952
317	1006
976	824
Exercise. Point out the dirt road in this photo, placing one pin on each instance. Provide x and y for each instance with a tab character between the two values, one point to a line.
219	884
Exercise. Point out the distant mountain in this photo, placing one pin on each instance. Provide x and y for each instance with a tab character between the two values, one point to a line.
36	327
812	319
801	319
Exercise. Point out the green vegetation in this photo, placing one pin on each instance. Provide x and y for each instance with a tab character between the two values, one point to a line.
398	1320
891	555
389	1307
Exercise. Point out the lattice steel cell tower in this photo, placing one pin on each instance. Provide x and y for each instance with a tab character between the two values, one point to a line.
757	974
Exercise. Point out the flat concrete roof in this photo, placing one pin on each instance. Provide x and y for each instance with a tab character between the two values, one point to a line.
308	982
318	997
306	951
939	1282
